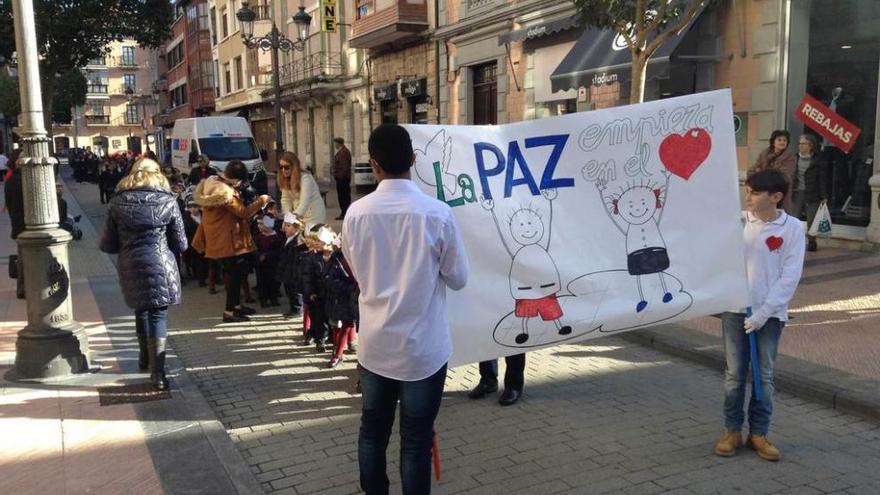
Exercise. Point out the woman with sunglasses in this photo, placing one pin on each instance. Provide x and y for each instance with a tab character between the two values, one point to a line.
299	191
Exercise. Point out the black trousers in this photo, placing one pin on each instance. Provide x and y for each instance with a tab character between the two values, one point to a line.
320	324
343	192
514	375
235	269
267	286
106	194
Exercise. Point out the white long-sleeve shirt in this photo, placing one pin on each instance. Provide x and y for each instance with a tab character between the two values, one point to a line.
404	249
774	253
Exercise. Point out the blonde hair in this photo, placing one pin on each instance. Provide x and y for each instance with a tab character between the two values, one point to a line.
293	183
145	173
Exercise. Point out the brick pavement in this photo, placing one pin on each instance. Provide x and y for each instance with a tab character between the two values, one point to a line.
604	417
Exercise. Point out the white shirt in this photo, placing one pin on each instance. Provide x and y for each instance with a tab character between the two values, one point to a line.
774	263
404	249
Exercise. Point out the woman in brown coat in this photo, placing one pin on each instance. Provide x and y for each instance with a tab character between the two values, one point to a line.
224	233
779	157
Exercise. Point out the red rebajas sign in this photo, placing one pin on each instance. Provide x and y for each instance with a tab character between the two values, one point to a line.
831	126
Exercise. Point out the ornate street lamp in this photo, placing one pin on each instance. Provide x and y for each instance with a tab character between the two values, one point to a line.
274	41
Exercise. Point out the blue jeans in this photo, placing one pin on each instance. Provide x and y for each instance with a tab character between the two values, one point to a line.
152	322
737	353
419	405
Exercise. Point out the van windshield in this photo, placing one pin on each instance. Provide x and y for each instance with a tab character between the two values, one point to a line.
223	149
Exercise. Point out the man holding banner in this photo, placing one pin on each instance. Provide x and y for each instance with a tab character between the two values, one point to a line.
404	249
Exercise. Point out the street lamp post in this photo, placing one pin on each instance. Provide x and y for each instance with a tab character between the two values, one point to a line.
52	344
274	41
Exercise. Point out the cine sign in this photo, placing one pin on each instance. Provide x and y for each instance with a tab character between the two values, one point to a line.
328	16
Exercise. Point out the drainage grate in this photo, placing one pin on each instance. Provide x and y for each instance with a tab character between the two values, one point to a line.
129	394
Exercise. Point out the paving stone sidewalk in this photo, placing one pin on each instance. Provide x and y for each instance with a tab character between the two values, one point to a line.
603	417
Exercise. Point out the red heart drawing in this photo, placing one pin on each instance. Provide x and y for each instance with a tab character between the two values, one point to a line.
774	243
683	154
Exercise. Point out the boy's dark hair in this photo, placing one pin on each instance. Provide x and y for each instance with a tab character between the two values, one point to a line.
391	147
779	132
236	170
768	180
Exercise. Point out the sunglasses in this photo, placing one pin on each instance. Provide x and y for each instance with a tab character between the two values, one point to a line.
284	168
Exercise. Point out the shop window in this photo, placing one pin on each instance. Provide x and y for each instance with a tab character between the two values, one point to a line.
389	111
418	113
838	64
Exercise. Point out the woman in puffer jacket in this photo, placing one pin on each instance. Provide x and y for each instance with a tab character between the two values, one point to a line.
145	229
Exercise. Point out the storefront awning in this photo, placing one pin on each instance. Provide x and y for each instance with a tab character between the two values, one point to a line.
602	55
538	30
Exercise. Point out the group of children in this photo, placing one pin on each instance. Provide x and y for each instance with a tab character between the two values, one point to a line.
312	269
303	259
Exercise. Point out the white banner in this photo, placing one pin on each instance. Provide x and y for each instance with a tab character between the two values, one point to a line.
589	224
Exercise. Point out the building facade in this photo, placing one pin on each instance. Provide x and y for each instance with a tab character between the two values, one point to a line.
325	89
503	61
119	103
186	86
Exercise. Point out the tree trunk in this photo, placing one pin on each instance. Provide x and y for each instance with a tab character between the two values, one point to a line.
637	83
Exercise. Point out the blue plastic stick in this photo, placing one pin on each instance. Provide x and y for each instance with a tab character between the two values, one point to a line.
756	363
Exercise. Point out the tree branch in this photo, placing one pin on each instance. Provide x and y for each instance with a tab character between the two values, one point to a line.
661	13
665	35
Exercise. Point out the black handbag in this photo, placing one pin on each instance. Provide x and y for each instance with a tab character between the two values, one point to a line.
13	266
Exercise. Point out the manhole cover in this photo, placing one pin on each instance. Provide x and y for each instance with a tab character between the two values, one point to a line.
129	394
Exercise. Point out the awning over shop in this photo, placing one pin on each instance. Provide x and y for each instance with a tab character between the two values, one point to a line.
601	55
538	30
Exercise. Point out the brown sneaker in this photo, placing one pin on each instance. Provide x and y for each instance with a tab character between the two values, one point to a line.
763	447
728	443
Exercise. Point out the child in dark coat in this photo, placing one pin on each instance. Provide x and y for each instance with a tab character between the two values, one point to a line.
314	292
289	263
342	300
269	246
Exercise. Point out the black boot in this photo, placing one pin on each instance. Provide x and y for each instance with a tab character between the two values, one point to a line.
483	389
157	363
143	355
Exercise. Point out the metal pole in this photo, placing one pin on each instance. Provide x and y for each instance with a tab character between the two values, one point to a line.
276	87
52	344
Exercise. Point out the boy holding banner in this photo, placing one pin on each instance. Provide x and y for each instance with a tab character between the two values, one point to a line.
774	253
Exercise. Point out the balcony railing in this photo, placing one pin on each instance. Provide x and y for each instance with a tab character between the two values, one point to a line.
264	12
97	119
96	89
98	61
124	61
315	67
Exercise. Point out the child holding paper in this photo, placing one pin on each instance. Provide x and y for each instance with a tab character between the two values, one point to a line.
342	301
774	253
314	292
289	264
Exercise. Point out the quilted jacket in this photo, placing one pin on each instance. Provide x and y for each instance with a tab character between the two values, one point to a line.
340	290
225	228
145	229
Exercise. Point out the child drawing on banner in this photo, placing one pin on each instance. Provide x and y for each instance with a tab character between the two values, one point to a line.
534	278
636	210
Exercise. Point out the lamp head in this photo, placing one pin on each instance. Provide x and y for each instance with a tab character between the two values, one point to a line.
246	18
303	21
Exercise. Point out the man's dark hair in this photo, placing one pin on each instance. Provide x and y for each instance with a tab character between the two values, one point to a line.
236	170
391	147
768	180
339	140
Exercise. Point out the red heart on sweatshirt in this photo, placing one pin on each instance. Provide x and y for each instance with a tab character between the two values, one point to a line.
774	243
682	154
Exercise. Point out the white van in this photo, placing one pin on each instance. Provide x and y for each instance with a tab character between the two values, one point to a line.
221	139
